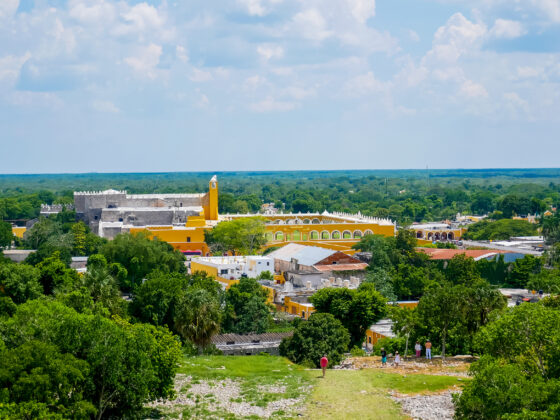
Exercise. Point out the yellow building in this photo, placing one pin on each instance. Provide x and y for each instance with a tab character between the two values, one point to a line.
338	231
18	231
437	232
301	309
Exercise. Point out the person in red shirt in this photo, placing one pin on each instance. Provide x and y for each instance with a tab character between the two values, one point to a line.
324	364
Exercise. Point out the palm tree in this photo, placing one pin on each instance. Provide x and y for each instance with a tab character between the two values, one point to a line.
198	316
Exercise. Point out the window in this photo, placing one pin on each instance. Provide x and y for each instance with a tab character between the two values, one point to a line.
268	263
120	219
188	238
369	340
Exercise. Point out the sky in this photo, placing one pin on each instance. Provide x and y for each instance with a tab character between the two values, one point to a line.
219	85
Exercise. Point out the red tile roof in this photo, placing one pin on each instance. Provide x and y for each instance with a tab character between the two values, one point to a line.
447	254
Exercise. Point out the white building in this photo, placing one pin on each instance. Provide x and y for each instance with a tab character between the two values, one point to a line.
234	267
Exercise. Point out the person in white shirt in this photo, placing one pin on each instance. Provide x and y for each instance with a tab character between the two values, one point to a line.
397	359
418	348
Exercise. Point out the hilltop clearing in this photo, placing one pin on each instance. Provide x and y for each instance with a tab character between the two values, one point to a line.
230	387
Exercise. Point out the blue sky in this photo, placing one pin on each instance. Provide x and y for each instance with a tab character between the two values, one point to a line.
100	85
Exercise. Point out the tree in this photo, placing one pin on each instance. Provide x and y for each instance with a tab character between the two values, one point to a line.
36	372
129	365
79	231
503	390
528	335
383	283
156	299
246	310
140	255
6	235
404	322
439	309
356	309
499	229
243	236
518	376
20	282
321	334
522	270
547	280
198	316
551	228
462	270
55	275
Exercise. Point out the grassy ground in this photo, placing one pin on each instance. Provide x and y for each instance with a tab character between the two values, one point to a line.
363	394
262	384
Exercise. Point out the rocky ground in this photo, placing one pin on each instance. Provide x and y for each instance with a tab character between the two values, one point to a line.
453	366
224	398
427	407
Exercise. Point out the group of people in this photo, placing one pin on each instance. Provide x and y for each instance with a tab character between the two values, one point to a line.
417	348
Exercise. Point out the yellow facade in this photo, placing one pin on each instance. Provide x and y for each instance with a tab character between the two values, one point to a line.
328	230
18	231
303	310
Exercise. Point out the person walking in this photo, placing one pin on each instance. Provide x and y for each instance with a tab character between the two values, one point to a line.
397	359
418	348
428	350
383	356
324	364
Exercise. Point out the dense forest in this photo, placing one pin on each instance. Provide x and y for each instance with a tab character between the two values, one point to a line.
403	195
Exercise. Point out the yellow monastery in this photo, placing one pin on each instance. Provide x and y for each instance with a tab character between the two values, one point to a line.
337	231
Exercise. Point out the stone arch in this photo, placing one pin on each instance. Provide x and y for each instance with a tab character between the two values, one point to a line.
430	235
450	236
277	222
346	234
325	235
296	235
306	221
278	236
419	234
357	234
313	235
269	236
315	221
335	234
437	236
444	236
368	232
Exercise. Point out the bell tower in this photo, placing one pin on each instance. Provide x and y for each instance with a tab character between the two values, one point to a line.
212	209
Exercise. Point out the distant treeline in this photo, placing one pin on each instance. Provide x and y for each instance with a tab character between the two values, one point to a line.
404	195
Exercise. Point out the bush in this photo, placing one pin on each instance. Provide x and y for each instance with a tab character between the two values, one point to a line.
321	334
391	345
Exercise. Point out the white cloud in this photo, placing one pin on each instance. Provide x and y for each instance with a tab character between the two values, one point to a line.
258	7
525	72
311	24
413	35
515	102
457	37
362	10
181	53
272	105
99	12
146	60
471	89
268	51
10	67
507	29
8	8
105	106
364	84
198	75
297	92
